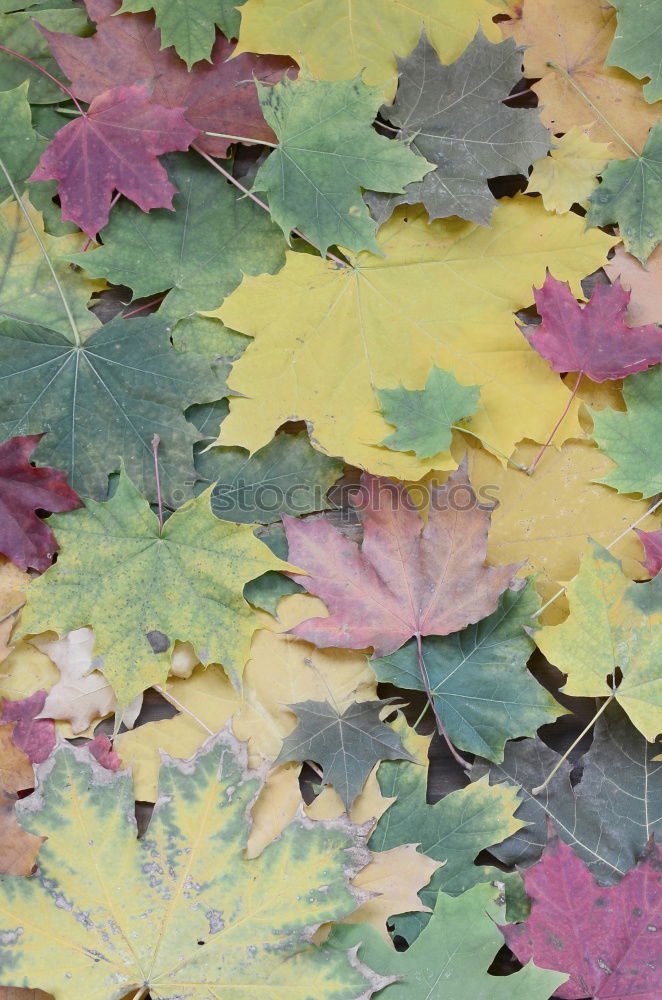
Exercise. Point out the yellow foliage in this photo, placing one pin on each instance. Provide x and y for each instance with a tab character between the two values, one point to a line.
569	174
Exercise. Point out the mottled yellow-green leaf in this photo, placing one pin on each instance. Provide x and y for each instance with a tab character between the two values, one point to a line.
613	625
180	912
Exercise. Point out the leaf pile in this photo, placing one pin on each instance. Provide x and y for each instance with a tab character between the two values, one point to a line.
330	540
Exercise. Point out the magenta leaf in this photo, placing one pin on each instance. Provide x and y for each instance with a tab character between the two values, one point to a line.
102	750
652	543
35	737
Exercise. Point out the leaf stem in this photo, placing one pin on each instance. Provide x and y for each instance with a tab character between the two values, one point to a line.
566	76
41	69
243	138
182	708
541	788
258	201
26	216
440	726
465	430
531	469
420	718
145	305
156	440
140	994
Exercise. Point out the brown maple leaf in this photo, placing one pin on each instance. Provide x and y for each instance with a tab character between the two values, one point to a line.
18	848
406	578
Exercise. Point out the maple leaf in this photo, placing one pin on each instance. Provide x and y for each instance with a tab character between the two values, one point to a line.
200	250
134	626
327	153
592	339
24	489
454	117
337	41
642	282
188	25
18	31
332	334
102	750
424	417
609	629
12	599
652	543
634	439
636	45
481	688
15	768
566	46
114	146
568	175
188	875
128	375
603	938
18	849
630	196
607	817
126	49
451	957
20	144
346	744
405	579
35	737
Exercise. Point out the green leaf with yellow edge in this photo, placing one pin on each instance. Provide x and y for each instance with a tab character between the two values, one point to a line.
633	440
28	291
612	627
326	337
142	588
423	418
197	913
337	40
569	174
328	152
451	958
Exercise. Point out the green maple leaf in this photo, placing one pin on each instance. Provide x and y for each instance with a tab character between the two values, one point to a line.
190	25
178	911
20	146
346	745
634	439
19	32
607	817
104	401
455	117
327	153
200	251
637	45
424	417
631	195
478	677
451	957
141	588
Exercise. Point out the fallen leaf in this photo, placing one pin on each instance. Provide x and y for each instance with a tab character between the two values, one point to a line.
629	195
102	750
129	376
346	744
18	849
189	25
606	940
24	489
633	440
424	418
333	335
576	36
92	853
405	579
642	282
15	768
218	96
12	598
652	543
19	32
33	736
593	338
114	146
20	144
636	45
454	117
327	153
569	174
610	628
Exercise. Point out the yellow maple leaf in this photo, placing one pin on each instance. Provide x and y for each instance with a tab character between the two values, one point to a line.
569	174
577	36
337	40
327	337
13	581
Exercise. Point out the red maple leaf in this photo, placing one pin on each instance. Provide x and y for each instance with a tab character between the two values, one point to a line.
217	97
25	538
114	147
592	339
102	750
608	940
652	542
406	578
35	737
